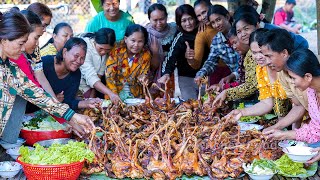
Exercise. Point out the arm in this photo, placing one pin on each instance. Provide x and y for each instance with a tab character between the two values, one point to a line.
154	48
37	96
250	86
295	114
210	64
44	83
199	47
261	108
175	52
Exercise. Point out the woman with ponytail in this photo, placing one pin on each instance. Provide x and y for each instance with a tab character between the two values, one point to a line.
99	44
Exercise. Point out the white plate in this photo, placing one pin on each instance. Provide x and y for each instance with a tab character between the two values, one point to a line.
134	101
288	143
246	127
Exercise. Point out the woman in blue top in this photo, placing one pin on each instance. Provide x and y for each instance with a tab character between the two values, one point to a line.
111	17
63	74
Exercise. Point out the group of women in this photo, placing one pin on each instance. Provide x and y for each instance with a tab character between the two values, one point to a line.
245	57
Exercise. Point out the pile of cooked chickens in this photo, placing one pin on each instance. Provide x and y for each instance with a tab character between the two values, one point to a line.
161	140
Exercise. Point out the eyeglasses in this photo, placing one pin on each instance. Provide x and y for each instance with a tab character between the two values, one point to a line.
113	4
190	19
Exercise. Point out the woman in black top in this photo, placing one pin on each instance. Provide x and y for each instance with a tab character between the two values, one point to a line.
187	23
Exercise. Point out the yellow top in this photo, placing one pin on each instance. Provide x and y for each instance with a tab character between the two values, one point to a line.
281	104
49	49
266	89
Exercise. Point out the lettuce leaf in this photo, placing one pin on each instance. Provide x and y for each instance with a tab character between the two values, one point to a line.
287	167
56	154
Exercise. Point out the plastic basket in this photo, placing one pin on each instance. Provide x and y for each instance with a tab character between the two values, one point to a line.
52	172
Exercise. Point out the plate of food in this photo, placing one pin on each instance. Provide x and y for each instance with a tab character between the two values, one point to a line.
246	127
249	119
260	169
134	101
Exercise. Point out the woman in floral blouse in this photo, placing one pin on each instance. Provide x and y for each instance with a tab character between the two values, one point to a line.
14	30
128	61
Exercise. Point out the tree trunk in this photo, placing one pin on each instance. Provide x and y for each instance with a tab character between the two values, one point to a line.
268	7
318	25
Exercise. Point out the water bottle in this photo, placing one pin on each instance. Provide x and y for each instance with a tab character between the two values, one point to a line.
125	93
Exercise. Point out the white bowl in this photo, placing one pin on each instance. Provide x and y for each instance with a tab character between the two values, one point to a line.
288	143
134	101
14	152
260	177
6	145
8	169
246	127
299	154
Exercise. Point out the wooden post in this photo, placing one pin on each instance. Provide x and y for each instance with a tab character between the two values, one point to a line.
268	7
318	26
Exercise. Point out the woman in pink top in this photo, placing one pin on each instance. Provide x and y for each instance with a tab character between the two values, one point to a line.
304	69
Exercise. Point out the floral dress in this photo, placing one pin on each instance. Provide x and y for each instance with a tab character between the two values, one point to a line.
119	71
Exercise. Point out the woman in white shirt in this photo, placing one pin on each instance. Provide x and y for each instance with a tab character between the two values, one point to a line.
99	45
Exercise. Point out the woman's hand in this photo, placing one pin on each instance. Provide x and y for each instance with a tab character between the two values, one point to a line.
81	124
154	46
201	27
164	79
214	88
315	158
220	99
89	103
236	114
189	54
197	80
60	96
115	99
275	134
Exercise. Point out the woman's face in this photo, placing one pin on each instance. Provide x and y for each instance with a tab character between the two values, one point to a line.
135	42
158	20
46	20
103	49
201	11
63	35
302	83
241	48
188	23
219	22
111	8
33	40
74	58
257	54
244	30
13	49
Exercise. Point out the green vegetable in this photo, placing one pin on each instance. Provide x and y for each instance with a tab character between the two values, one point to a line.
241	106
43	123
249	118
205	97
286	166
269	116
262	166
56	154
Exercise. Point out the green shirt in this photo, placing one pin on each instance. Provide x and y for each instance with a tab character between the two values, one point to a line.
13	81
120	26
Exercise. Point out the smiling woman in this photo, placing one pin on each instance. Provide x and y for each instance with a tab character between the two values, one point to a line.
111	17
15	85
62	72
99	44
